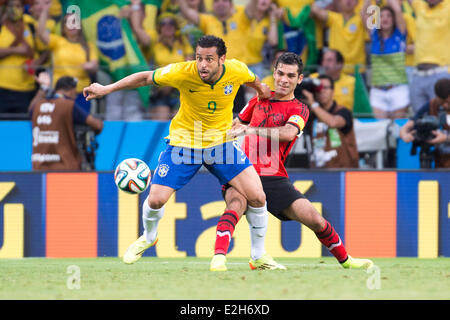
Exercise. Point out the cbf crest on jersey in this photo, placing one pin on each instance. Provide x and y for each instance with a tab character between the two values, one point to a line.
228	89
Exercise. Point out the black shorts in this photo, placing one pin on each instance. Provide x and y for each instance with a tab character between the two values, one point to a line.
280	194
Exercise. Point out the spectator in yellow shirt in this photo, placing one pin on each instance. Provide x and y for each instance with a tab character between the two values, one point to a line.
72	55
229	22
346	32
332	65
262	34
41	52
17	85
431	50
166	47
189	29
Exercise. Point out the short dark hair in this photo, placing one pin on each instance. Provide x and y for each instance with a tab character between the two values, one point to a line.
325	76
209	41
442	88
66	83
338	55
291	58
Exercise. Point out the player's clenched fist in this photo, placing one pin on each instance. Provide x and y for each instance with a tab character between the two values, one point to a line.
94	91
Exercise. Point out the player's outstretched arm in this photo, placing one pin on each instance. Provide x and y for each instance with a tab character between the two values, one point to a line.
284	133
262	89
135	80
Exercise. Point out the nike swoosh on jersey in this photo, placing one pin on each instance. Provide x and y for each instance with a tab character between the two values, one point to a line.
190	90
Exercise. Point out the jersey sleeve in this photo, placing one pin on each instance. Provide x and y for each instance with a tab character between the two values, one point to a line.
246	113
333	18
79	115
168	75
205	19
242	69
299	116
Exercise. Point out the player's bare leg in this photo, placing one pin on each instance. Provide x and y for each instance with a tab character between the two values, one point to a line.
152	212
302	210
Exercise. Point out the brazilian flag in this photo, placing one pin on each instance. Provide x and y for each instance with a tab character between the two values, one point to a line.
118	51
300	32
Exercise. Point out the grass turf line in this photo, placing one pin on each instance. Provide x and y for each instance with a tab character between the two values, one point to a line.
190	279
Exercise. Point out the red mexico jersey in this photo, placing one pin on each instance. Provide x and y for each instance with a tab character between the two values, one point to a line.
268	155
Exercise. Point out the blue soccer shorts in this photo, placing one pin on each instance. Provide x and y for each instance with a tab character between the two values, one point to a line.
177	165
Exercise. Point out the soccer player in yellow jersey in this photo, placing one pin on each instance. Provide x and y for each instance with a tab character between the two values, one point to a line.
198	137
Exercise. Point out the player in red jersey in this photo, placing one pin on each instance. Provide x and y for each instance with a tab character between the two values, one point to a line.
271	127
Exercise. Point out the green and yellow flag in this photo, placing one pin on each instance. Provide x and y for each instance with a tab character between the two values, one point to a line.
361	105
118	51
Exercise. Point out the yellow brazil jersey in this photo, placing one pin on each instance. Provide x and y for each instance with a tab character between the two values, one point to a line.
410	37
270	81
432	33
151	13
13	74
49	26
161	55
257	36
206	111
233	31
67	59
349	38
344	90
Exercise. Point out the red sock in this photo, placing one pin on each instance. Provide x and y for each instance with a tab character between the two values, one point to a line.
330	239
224	231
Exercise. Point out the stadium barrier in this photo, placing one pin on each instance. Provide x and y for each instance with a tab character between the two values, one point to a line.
144	140
376	213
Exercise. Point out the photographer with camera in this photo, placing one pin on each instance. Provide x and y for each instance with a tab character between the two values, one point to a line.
330	126
54	117
430	128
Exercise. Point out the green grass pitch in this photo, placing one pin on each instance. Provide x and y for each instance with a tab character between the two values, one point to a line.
190	279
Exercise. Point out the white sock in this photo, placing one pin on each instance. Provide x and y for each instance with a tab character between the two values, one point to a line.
150	219
257	219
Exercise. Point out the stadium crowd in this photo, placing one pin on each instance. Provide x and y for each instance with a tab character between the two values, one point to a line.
379	58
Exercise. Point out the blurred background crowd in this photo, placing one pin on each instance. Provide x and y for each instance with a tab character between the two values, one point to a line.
379	59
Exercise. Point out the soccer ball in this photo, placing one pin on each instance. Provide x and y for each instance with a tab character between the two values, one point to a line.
132	176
